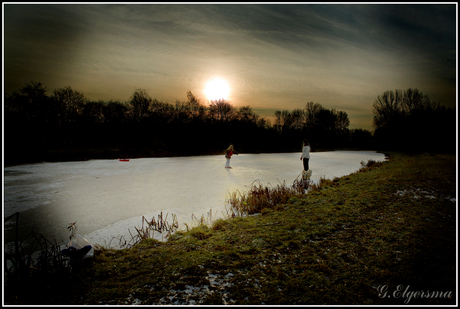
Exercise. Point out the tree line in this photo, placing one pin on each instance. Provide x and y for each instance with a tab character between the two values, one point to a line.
410	121
67	126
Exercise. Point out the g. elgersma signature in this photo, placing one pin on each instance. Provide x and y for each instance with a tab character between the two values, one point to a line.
405	293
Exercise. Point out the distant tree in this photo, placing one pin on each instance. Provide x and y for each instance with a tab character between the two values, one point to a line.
221	109
30	100
70	103
94	111
140	103
115	112
278	124
408	120
388	119
197	108
298	119
181	109
341	131
162	111
413	100
326	120
325	128
311	112
246	114
27	113
361	139
387	109
263	123
341	121
286	120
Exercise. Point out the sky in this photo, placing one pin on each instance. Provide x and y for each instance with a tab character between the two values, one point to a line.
271	56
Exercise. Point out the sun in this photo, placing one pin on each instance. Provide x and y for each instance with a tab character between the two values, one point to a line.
217	88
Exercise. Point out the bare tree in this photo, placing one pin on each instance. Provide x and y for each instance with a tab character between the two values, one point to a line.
70	103
286	119
341	121
278	123
195	105
222	109
140	103
246	114
387	109
311	114
115	111
298	118
30	100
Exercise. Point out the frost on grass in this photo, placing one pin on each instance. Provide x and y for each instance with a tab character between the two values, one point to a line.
418	193
196	295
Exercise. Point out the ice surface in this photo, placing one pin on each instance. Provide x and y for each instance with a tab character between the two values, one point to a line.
108	197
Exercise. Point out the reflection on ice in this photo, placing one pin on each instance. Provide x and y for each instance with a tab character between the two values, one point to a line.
108	197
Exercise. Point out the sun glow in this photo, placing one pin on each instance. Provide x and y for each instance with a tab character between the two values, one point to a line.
217	88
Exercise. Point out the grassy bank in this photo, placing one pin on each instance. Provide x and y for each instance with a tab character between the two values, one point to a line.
379	236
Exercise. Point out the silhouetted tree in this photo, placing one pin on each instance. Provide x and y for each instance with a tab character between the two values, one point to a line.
198	110
388	118
387	109
298	119
278	123
140	103
221	109
246	114
263	123
408	120
31	100
311	111
94	112
286	120
414	100
324	129
341	121
69	103
161	111
27	122
115	112
361	139
341	131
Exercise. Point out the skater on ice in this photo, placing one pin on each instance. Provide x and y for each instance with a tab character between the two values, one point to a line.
228	155
306	173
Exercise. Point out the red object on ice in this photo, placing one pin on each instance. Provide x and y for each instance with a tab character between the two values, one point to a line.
125	160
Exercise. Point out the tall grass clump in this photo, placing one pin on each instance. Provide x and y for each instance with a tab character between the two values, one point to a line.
148	230
35	255
35	261
259	197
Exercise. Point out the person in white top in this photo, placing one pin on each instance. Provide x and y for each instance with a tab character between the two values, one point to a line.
305	154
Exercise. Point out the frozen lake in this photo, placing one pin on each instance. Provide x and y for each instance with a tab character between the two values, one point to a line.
109	197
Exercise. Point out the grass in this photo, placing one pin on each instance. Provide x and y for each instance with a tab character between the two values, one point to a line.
349	241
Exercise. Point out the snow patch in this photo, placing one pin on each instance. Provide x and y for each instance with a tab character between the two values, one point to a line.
418	193
195	295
